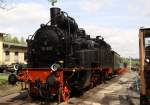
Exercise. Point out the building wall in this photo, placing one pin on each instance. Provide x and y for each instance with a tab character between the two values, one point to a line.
11	48
12	57
1	49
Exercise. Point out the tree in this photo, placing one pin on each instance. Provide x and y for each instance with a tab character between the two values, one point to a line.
6	4
15	40
2	4
7	38
10	39
22	41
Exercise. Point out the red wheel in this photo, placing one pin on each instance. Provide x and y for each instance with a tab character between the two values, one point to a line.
64	94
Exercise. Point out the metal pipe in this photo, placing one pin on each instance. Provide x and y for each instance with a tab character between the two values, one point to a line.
54	12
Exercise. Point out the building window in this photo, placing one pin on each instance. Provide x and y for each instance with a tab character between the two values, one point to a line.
7	56
16	57
16	53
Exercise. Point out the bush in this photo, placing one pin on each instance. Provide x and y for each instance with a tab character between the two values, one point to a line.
3	79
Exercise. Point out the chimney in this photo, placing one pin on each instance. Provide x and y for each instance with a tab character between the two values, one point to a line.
54	12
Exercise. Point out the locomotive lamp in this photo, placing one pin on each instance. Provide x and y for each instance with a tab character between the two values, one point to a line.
16	67
55	67
147	60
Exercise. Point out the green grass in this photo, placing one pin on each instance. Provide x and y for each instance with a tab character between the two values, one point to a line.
3	79
5	88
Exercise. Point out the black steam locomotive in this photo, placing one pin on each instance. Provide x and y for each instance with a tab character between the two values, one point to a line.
62	46
63	40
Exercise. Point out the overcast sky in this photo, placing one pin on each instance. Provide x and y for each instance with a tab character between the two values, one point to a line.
118	21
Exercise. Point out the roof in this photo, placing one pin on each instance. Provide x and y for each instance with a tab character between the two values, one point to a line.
144	28
115	53
1	34
14	44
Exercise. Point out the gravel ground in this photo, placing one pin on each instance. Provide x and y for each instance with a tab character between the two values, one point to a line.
114	92
7	89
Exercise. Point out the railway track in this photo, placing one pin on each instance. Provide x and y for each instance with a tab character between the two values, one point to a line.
113	91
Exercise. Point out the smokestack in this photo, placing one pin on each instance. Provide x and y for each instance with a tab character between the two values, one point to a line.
54	12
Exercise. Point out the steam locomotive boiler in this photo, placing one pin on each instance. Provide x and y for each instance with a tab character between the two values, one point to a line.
62	58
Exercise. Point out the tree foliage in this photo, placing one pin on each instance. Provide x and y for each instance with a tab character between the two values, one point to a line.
10	39
6	4
2	4
22	40
15	40
134	62
7	38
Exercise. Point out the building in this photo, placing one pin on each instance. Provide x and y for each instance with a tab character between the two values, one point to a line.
11	52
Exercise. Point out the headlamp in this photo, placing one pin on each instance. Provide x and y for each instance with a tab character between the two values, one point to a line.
55	67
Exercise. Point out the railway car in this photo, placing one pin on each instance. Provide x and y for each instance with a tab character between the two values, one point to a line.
116	62
63	59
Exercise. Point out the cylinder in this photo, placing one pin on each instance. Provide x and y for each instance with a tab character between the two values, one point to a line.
54	12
